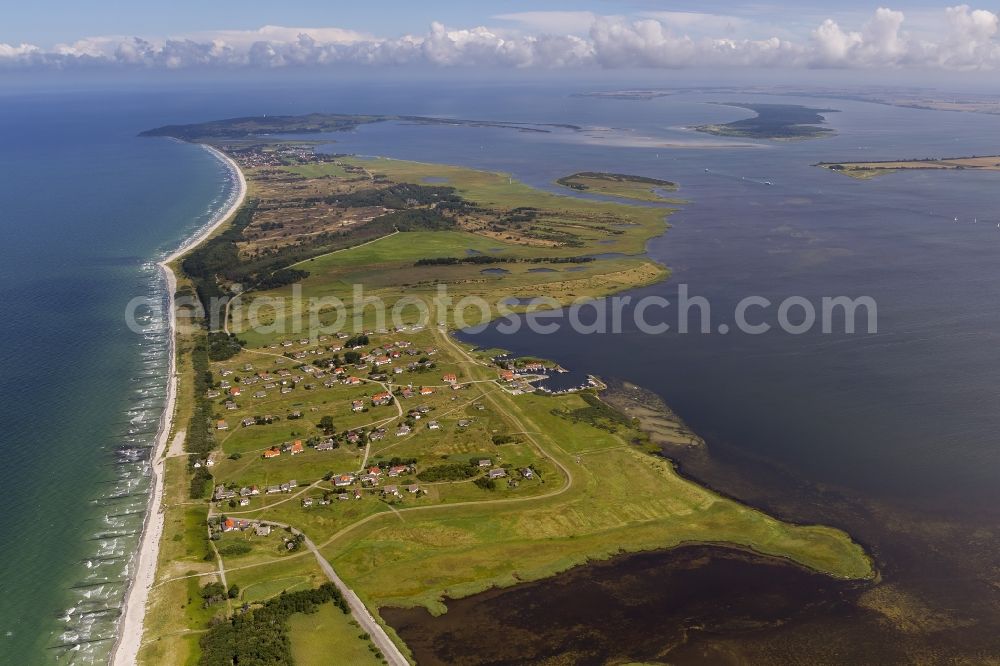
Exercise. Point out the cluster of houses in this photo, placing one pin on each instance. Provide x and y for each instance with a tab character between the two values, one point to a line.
257	156
242	524
244	494
371	478
292	448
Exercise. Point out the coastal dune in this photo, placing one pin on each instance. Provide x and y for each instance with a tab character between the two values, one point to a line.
129	634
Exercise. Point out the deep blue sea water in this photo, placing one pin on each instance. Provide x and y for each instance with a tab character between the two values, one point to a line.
905	419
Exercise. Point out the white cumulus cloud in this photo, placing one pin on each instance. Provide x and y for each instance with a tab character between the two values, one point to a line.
962	38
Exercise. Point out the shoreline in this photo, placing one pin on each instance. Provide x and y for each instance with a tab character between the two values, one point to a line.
128	633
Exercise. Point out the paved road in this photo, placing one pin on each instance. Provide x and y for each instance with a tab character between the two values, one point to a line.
392	654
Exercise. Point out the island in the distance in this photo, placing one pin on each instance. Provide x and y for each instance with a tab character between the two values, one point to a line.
625	186
774	121
867	170
390	465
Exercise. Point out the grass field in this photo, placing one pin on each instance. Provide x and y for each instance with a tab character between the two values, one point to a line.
620	500
328	636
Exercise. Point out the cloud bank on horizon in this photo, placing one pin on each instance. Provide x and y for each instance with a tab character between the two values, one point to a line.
962	38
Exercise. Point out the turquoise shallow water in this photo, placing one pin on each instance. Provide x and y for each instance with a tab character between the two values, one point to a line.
85	207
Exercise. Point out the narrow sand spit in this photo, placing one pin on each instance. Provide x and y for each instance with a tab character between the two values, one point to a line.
129	633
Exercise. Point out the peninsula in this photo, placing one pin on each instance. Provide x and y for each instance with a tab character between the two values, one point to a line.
867	170
625	186
337	470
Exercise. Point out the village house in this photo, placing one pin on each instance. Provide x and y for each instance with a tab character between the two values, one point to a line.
396	470
271	490
377	434
382	398
402	430
369	479
434	425
325	445
413	488
260	394
357	493
296	447
464	423
498	473
225	372
343	480
507	375
391	490
262	530
221	493
212	393
246	423
449	378
221	425
307	502
426	390
485	462
272	452
382	360
352	381
245	501
528	473
234	391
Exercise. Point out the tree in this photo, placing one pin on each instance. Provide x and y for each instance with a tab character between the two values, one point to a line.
326	425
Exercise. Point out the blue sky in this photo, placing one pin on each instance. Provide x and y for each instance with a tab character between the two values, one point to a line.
48	22
67	35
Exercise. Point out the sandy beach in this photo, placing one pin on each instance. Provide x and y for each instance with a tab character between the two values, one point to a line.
129	632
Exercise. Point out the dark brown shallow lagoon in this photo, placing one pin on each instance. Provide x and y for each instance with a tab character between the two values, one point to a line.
690	605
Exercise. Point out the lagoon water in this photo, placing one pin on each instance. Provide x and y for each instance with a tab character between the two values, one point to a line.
892	436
